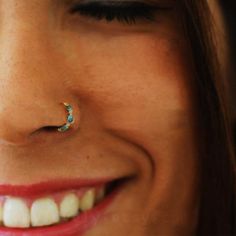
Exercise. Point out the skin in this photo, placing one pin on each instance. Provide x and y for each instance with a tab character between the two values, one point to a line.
132	91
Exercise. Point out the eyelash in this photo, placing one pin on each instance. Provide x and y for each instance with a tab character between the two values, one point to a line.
127	12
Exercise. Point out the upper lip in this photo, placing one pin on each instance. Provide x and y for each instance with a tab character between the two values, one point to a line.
50	186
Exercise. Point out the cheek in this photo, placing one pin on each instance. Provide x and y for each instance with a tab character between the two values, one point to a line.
135	81
140	87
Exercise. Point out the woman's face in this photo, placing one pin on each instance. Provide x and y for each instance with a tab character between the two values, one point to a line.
130	86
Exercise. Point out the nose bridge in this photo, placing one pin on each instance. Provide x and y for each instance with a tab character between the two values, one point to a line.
24	46
23	62
23	34
26	93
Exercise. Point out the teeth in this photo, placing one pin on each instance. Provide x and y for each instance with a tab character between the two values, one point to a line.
87	201
16	213
1	213
69	206
44	212
100	194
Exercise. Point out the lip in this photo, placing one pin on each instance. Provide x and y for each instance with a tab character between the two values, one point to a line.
51	186
75	227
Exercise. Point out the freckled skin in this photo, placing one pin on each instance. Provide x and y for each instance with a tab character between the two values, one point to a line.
133	97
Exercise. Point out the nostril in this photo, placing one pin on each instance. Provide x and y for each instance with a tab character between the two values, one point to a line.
45	129
50	128
50	133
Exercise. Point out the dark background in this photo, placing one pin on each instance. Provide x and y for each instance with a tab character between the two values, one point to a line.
229	7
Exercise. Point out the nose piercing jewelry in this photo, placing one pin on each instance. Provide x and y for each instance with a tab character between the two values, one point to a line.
69	120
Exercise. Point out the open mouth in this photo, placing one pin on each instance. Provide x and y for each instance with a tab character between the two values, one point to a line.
67	212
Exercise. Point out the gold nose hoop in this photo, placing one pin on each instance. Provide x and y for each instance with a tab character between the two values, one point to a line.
69	120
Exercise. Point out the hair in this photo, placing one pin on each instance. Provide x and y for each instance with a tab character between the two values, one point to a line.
217	162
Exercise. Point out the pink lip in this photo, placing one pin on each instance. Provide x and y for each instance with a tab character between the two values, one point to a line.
75	227
50	186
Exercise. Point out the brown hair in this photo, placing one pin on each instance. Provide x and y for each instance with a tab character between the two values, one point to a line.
217	162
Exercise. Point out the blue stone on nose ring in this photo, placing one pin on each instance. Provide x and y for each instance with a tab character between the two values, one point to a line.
69	120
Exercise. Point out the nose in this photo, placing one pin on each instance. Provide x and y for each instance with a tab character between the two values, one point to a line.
29	87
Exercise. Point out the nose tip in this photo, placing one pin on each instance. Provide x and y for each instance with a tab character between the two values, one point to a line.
32	82
13	120
13	139
15	128
19	122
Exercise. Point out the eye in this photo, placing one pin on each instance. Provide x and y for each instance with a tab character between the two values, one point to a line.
127	12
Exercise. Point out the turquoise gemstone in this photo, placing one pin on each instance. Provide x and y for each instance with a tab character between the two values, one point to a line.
63	128
70	118
69	108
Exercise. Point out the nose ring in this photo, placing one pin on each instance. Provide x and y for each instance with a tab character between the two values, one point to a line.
69	120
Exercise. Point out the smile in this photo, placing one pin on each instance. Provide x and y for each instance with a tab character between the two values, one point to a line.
61	212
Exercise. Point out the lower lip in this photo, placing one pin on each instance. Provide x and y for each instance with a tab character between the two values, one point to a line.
75	227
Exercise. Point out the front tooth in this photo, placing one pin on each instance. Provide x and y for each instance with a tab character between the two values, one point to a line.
44	212
16	213
69	206
87	201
